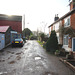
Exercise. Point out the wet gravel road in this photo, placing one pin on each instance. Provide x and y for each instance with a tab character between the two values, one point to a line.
31	59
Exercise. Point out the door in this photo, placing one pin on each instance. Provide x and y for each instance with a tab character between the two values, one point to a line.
73	44
2	41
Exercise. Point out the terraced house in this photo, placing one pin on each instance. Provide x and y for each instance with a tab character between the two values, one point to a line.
65	28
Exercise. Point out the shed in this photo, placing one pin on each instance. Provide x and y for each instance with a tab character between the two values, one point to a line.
5	31
2	41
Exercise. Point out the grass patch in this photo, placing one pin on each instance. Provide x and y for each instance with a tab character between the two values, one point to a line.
41	43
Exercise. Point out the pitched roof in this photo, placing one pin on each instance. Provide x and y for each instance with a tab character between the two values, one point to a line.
3	28
69	13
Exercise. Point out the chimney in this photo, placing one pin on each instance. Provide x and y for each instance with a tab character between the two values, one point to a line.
72	4
56	17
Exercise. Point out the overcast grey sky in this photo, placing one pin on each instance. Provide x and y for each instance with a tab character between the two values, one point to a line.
37	12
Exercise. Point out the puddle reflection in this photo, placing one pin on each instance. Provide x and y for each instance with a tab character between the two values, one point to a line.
37	58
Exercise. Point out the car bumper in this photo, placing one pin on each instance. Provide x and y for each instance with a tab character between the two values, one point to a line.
17	44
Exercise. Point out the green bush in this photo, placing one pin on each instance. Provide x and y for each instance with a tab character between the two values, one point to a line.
42	35
52	43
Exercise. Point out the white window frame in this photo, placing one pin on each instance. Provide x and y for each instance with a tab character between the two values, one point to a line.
50	29
53	27
57	26
63	40
66	22
58	37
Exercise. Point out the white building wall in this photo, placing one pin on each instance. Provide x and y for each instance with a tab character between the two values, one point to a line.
57	26
58	37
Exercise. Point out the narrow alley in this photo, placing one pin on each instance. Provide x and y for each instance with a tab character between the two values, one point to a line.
31	59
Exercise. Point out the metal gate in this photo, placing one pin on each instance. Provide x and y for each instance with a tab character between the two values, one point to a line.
2	41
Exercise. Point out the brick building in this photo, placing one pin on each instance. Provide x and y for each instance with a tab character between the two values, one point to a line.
65	29
14	21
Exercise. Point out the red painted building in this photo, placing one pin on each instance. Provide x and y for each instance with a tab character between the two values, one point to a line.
14	21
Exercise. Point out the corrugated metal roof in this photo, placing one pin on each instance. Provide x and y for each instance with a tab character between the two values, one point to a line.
3	28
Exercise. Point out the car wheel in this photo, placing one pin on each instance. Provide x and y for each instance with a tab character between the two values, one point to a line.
21	45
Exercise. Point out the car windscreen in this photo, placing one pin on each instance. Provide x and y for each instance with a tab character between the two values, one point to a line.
18	39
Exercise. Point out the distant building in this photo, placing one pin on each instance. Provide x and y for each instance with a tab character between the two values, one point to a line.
14	21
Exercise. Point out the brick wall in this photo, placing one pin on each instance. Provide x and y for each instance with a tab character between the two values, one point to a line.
73	20
15	25
61	35
63	22
70	42
71	5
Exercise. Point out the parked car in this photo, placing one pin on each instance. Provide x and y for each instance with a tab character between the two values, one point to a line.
18	42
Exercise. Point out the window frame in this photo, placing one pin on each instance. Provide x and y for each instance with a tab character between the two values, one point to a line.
68	21
63	40
57	26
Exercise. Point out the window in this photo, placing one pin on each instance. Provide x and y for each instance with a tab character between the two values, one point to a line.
65	40
58	37
67	22
50	29
56	26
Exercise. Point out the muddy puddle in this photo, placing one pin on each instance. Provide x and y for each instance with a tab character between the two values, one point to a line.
28	43
25	48
19	53
10	52
50	73
2	60
12	62
18	57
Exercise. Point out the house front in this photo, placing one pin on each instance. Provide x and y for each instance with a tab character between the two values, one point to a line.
65	29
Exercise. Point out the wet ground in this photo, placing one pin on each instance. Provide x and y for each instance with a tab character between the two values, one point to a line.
31	59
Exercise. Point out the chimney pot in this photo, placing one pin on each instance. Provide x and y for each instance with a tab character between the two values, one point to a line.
56	17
